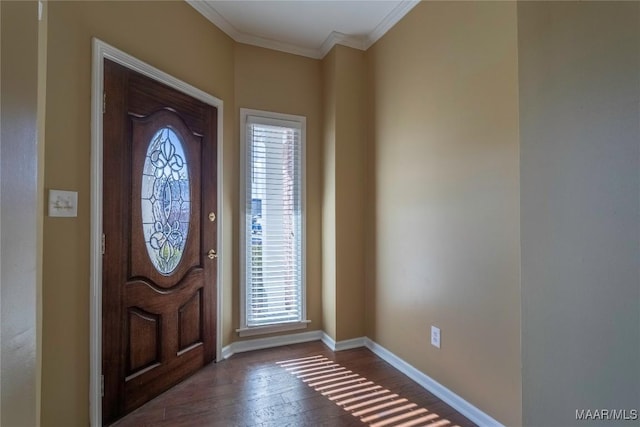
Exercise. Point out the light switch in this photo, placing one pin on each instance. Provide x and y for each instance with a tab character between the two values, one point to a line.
435	336
63	203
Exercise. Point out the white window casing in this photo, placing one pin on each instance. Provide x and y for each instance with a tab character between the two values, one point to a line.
272	222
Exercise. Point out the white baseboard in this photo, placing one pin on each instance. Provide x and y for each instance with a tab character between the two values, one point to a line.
342	345
328	341
458	403
431	385
277	341
226	352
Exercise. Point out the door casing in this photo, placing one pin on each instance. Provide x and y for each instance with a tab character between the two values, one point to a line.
102	50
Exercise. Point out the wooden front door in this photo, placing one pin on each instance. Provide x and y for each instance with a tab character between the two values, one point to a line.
159	262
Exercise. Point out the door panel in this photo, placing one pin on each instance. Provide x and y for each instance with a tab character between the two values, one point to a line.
158	282
190	322
143	336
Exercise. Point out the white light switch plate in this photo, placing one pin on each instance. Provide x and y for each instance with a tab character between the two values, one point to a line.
63	203
435	336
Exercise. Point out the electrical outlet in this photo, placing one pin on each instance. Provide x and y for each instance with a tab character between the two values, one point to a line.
435	336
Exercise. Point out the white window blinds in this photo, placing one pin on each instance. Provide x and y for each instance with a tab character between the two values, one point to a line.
273	222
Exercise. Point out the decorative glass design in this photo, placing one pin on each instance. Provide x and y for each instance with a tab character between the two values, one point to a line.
166	202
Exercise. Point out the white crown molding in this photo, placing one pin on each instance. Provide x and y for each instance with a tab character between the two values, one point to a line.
276	45
390	21
207	10
343	39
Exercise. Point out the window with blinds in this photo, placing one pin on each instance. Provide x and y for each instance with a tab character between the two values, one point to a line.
273	220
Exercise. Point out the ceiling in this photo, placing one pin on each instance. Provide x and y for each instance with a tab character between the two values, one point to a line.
304	27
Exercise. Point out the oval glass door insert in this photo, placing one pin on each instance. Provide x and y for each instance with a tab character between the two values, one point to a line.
166	202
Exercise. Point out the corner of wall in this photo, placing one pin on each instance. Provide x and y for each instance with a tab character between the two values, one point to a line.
41	114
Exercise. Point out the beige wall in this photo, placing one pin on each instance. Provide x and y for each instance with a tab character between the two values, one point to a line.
446	199
344	107
329	95
580	153
284	83
21	219
349	143
413	163
173	37
42	109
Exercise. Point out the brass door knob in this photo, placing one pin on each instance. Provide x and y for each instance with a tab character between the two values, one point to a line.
212	254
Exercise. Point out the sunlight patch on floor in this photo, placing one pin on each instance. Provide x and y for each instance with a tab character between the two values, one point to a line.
370	403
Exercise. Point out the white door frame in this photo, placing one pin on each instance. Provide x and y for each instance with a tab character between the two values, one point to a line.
101	51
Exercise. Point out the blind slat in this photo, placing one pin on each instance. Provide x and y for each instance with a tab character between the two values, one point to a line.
273	261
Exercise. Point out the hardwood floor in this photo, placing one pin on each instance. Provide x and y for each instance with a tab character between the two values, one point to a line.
252	389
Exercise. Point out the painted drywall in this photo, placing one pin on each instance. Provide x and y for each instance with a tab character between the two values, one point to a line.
291	84
349	148
19	238
40	208
579	82
329	94
445	199
173	37
344	109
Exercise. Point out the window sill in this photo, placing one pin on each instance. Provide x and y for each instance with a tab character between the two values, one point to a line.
268	329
